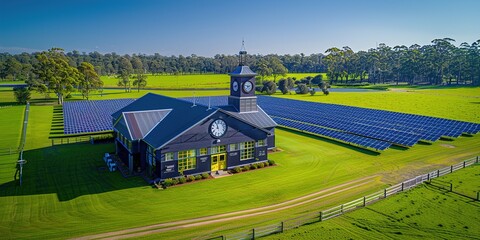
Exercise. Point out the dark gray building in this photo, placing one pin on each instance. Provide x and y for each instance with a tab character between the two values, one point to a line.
167	137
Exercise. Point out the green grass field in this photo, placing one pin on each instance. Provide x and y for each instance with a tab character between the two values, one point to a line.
67	191
200	81
425	212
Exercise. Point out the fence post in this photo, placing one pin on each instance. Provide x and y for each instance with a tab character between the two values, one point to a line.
478	196
451	169
477	159
341	208
428	177
451	187
281	229
463	164
321	217
364	201
404	183
438	173
385	193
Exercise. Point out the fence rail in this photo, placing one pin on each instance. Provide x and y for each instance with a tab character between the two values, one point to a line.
68	140
349	206
8	151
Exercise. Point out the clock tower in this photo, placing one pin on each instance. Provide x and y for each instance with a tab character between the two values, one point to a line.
242	86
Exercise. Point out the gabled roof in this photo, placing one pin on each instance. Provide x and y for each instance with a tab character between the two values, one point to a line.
181	116
140	123
243	71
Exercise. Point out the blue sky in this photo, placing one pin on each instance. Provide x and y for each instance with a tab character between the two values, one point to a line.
208	27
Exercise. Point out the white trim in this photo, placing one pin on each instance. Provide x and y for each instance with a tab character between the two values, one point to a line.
184	131
126	123
153	110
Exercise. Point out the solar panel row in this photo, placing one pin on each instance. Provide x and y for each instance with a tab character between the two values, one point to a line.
91	116
398	128
333	134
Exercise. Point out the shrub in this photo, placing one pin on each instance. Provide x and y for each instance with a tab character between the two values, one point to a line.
261	165
198	177
182	180
246	167
168	182
236	170
271	162
190	178
312	91
269	87
302	88
254	166
174	181
266	164
205	175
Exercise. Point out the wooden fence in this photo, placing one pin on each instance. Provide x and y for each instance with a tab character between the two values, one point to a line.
346	207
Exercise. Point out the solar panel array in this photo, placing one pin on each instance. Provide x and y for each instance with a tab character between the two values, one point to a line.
368	128
91	116
392	127
372	128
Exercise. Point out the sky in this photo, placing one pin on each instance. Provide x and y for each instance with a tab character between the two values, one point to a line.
209	27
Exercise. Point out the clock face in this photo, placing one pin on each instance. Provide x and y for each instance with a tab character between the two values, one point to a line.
247	87
235	86
218	128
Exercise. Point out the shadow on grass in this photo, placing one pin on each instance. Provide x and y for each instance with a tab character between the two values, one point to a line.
358	149
70	171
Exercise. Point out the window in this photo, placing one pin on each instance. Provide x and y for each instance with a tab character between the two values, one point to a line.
202	151
233	147
186	160
247	150
218	149
169	156
261	143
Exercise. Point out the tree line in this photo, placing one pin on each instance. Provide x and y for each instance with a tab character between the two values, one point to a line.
440	62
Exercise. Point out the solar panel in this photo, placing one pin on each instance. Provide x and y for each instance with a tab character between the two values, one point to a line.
91	116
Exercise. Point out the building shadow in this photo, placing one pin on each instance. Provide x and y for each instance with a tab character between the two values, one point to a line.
68	170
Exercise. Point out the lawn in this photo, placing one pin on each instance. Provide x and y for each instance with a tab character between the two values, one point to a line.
68	192
200	81
453	103
425	212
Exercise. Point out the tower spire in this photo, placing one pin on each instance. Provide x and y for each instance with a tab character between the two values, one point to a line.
242	55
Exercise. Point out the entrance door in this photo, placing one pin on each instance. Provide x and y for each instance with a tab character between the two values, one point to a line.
219	162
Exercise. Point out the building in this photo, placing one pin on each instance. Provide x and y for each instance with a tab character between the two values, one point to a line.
167	137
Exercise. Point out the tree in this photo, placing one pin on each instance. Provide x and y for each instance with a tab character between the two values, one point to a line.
22	94
324	87
317	79
285	85
13	67
269	87
277	68
125	69
124	80
54	73
90	81
140	81
302	88
263	70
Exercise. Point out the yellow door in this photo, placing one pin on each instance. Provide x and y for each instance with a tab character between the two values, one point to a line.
219	162
214	163
222	163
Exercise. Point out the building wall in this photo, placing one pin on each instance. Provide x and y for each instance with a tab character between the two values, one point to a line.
199	137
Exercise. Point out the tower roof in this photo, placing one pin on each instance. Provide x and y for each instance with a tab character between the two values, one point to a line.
242	71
